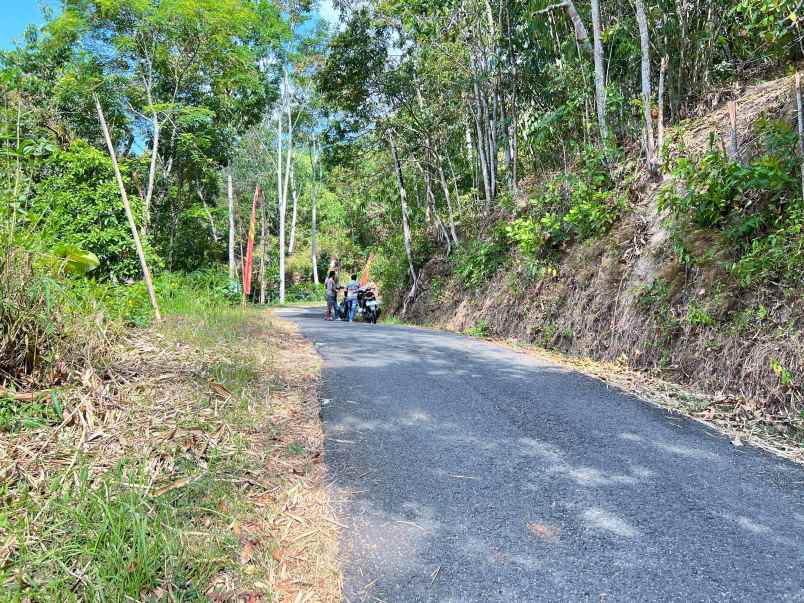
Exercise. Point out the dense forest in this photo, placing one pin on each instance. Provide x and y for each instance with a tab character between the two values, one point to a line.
619	180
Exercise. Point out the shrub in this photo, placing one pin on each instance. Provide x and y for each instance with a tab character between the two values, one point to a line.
571	207
593	213
76	202
480	260
697	316
531	235
42	335
755	205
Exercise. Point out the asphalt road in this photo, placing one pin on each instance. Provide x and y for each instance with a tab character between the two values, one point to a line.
466	471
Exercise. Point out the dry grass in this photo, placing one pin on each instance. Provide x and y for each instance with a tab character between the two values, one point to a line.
212	426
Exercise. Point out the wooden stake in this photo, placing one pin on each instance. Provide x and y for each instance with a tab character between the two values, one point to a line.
733	150
134	232
800	129
660	135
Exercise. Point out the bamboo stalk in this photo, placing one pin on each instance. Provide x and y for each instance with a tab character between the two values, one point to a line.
134	232
800	129
660	134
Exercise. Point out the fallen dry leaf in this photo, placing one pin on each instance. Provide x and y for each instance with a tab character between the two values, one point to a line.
545	532
7	550
247	554
179	483
220	390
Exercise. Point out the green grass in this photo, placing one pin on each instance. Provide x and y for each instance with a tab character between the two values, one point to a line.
97	533
479	329
106	540
388	319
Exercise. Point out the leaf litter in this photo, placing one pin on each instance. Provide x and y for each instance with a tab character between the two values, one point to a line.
147	405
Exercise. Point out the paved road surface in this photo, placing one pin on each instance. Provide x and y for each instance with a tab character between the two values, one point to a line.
469	472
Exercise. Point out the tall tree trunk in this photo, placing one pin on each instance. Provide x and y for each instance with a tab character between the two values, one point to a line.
284	186
660	125
146	202
314	217
314	241
403	199
581	35
481	148
455	182
282	211
210	219
644	42
146	273
294	195
600	78
800	107
513	126
230	199
445	188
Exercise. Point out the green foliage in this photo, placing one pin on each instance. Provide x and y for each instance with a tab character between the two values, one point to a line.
532	235
16	415
479	329
786	377
77	204
481	260
778	255
655	294
697	316
577	207
305	292
756	204
771	23
76	261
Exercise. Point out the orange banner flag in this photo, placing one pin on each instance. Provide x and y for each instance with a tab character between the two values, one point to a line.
364	275
252	230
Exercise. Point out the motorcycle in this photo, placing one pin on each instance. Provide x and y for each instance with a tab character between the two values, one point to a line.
368	305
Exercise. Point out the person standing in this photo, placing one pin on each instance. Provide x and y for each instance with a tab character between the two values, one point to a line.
332	301
351	297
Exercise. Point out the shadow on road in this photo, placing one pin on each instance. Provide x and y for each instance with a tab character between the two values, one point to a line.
470	472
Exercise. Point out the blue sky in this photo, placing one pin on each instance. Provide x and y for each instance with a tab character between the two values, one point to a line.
15	17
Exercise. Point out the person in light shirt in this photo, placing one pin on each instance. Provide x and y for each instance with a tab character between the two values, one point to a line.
351	297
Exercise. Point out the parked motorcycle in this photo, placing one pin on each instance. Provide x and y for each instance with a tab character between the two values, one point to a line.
368	305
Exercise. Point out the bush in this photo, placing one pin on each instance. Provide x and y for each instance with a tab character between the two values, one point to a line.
780	254
576	207
532	235
77	202
481	260
45	329
755	205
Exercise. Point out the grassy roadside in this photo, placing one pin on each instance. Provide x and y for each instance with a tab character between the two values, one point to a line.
191	470
742	421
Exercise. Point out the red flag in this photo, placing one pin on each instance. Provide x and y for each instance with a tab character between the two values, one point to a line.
252	229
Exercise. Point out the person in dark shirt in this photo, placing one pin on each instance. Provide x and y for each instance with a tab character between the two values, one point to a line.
332	301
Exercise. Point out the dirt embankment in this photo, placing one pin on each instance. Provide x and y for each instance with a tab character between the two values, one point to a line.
628	298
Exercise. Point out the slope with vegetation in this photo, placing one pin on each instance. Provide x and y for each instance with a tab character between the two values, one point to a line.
617	180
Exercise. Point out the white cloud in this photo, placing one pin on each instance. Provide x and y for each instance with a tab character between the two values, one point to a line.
327	11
